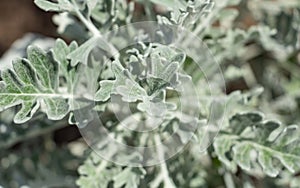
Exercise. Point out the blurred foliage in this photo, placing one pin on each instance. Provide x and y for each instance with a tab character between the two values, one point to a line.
257	45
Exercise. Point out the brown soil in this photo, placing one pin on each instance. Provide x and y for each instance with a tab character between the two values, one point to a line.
18	17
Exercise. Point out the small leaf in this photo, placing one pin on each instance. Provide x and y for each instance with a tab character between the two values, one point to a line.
129	178
156	109
62	5
60	52
131	92
94	174
47	5
106	87
123	85
174	4
169	71
82	53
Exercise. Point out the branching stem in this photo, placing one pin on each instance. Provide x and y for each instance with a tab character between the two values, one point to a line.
93	29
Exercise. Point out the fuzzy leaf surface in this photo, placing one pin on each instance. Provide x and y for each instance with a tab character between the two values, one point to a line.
254	141
33	83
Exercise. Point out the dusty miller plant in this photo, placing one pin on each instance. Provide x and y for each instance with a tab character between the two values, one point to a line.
258	144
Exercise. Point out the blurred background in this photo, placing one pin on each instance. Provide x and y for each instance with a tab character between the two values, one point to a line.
18	17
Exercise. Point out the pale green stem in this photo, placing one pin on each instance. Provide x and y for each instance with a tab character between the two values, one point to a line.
163	166
94	30
91	27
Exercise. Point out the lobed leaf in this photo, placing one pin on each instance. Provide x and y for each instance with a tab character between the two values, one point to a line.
253	141
98	173
33	83
123	85
129	177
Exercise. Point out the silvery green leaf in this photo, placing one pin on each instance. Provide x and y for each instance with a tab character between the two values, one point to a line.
253	140
156	84
222	146
242	155
162	73
60	53
106	88
131	91
61	50
265	159
47	5
91	176
109	87
170	53
33	83
82	53
174	4
156	65
157	109
129	177
66	4
123	84
62	5
169	71
94	174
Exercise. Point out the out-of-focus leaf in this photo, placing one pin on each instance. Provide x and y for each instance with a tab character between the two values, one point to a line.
98	173
129	177
174	4
62	5
250	134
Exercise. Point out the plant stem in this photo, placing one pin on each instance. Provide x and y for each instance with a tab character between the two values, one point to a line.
93	29
164	169
228	180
